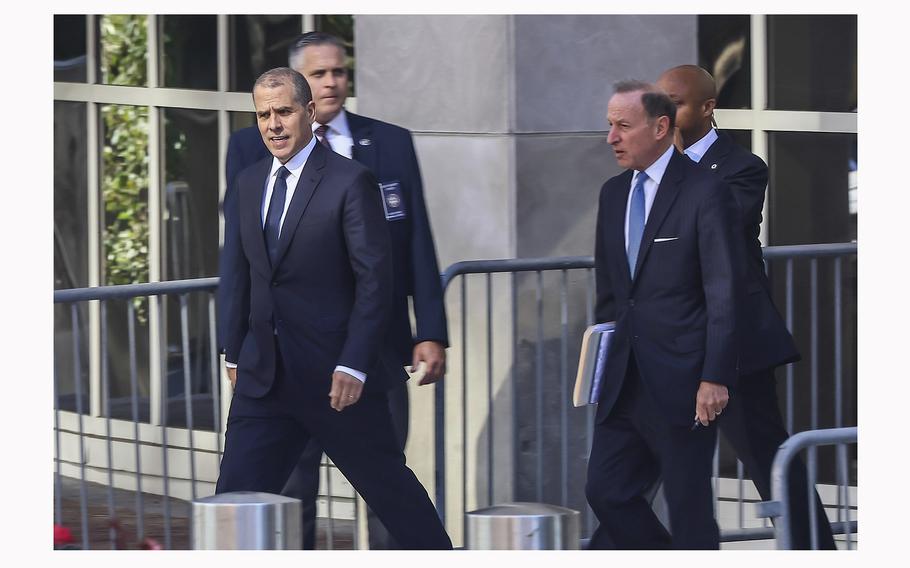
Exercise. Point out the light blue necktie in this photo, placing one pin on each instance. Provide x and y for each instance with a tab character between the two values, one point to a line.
636	220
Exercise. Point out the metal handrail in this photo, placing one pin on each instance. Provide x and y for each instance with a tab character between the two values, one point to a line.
127	291
779	506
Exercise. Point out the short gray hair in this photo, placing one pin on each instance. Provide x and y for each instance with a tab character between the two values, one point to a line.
655	102
281	76
303	41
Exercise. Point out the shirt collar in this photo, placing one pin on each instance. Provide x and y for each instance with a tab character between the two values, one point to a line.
339	124
656	170
697	151
296	163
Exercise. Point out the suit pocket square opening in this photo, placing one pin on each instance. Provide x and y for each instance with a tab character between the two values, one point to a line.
665	239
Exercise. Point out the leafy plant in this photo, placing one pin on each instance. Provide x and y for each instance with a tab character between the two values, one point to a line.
124	157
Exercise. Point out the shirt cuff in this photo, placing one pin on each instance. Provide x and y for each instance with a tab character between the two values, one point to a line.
362	377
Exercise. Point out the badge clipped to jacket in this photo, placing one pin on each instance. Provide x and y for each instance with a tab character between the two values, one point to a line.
392	200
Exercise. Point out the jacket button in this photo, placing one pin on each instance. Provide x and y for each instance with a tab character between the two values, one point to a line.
631	303
274	283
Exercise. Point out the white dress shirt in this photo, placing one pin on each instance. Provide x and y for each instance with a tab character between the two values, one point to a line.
339	134
655	173
295	166
699	149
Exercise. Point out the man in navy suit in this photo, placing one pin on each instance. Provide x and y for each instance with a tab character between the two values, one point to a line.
667	274
752	422
388	151
305	318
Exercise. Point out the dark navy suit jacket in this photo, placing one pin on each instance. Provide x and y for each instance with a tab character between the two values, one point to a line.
678	314
388	151
326	297
765	340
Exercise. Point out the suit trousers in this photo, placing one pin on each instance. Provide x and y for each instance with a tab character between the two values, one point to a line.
634	446
266	436
753	425
303	483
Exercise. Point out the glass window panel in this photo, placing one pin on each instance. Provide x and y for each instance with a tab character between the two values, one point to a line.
123	48
70	248
812	187
69	48
124	186
341	26
257	44
812	200
190	250
65	375
190	174
812	63
70	196
724	50
240	120
189	47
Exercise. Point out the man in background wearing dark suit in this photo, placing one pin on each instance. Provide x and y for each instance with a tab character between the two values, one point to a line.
667	274
388	151
752	421
305	318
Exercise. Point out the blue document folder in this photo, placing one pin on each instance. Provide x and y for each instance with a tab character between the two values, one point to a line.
592	361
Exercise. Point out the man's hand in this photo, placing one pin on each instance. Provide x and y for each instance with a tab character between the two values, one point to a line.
232	375
345	390
434	355
711	399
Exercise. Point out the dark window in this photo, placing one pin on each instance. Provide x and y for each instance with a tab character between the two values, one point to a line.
70	252
812	63
70	196
724	50
69	48
189	52
190	250
810	188
240	120
257	44
341	26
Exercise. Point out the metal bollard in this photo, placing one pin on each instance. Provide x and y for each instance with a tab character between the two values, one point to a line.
246	520
523	526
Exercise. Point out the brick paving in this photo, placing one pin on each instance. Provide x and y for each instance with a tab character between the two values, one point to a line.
153	519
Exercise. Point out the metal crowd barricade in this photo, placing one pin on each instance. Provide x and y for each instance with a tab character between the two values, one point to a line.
81	431
550	472
550	432
779	506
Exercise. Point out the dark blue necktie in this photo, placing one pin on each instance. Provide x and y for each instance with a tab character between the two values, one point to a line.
276	208
636	220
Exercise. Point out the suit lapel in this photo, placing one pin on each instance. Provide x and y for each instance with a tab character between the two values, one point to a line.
310	177
716	153
666	195
251	216
364	148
